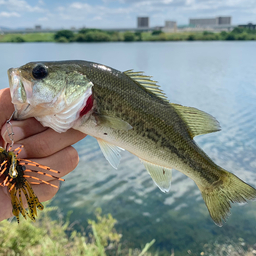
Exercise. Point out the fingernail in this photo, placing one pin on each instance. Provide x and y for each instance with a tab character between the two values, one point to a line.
18	134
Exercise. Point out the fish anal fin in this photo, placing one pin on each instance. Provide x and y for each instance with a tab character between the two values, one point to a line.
113	122
146	82
111	152
197	121
161	176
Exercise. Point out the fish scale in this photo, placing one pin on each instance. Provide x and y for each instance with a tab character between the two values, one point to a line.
138	105
130	112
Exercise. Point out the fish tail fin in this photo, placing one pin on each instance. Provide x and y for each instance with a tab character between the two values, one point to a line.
219	196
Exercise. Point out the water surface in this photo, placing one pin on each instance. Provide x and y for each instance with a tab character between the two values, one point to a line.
217	77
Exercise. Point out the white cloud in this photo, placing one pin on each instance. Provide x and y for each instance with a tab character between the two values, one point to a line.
167	1
60	8
41	2
189	2
81	11
43	19
21	6
123	13
97	18
78	5
9	14
194	4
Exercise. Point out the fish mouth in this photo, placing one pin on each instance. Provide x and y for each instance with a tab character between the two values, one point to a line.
23	99
19	90
15	84
21	113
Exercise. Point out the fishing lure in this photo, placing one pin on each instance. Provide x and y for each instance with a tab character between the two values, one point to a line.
14	173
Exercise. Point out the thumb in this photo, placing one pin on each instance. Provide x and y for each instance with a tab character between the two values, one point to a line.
6	108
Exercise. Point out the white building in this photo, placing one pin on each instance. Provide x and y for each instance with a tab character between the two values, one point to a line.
170	26
210	22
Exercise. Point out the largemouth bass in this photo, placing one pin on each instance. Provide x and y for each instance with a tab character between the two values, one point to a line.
127	110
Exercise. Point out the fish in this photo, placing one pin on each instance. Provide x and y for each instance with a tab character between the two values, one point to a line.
127	111
14	173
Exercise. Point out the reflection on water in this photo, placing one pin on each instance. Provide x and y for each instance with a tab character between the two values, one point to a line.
177	220
217	77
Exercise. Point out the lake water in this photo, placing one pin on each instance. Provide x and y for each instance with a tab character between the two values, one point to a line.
217	77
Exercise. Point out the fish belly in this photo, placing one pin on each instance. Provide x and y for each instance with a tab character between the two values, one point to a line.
136	144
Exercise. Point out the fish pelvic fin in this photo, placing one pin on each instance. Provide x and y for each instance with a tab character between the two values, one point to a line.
219	196
162	176
111	152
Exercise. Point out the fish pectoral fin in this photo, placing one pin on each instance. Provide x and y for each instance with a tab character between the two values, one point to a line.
197	121
161	176
111	152
113	122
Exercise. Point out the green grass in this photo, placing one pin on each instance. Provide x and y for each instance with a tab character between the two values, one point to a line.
29	37
48	237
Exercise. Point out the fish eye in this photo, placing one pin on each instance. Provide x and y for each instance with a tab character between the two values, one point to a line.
40	71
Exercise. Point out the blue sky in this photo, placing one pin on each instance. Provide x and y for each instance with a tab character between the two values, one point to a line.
119	13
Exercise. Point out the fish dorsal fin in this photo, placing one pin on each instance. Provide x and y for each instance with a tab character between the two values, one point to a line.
146	82
111	152
197	121
161	176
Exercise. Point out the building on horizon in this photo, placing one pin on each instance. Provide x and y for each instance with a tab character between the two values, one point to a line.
224	20
170	26
210	22
143	22
38	27
203	22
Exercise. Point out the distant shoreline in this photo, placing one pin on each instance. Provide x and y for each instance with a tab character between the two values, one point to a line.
96	35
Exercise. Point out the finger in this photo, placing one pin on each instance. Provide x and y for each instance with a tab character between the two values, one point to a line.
45	192
48	142
63	162
6	108
6	105
22	129
5	204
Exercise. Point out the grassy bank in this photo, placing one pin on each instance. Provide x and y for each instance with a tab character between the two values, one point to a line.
30	37
48	237
97	35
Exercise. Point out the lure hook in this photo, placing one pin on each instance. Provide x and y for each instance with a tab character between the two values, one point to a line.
10	131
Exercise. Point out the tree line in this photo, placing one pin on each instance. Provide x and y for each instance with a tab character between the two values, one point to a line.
97	35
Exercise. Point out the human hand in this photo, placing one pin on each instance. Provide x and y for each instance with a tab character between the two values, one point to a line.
42	145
